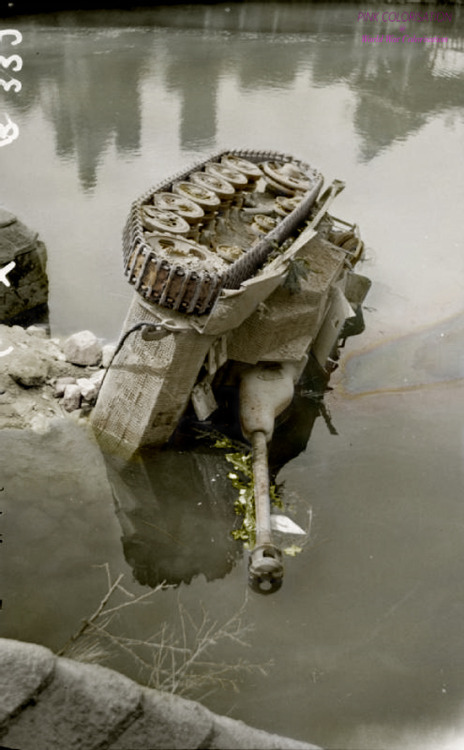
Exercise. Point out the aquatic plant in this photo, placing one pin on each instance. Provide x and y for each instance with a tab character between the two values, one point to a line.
242	480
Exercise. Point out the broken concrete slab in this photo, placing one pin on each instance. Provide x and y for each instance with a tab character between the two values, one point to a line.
83	707
26	670
49	702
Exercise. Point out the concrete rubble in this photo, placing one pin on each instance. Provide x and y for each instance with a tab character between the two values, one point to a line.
43	378
104	709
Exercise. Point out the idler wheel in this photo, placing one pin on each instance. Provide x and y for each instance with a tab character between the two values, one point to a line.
202	195
286	174
250	170
221	187
188	209
236	178
156	220
176	247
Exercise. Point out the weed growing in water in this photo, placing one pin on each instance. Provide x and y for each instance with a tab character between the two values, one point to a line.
177	658
243	482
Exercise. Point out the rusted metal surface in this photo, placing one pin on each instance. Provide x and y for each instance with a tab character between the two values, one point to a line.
172	264
265	568
224	281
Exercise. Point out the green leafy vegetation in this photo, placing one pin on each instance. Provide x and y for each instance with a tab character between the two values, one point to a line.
242	481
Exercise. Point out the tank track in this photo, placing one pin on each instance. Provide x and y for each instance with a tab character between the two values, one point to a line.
159	264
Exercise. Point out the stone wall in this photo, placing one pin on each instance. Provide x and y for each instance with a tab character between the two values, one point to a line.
23	258
51	703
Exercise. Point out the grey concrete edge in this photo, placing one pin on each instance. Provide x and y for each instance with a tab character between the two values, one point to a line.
55	703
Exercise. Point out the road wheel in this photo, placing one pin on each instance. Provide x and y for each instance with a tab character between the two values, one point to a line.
288	175
156	220
221	187
188	209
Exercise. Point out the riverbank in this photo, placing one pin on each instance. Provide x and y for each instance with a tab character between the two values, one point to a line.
104	709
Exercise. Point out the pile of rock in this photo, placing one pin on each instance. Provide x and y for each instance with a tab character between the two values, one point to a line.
42	378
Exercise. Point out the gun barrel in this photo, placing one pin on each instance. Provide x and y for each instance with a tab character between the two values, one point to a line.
265	570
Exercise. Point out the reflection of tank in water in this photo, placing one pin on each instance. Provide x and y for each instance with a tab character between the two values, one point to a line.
176	511
242	277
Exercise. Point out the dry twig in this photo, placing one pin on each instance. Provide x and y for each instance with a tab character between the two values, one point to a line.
176	659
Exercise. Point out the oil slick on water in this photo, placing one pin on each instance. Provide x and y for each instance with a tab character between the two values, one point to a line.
428	357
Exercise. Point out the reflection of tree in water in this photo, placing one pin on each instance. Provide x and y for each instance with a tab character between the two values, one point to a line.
88	82
88	86
398	90
193	71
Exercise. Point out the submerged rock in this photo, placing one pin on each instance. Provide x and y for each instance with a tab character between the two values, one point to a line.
61	384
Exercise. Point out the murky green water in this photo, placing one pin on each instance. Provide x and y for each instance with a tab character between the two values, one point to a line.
366	633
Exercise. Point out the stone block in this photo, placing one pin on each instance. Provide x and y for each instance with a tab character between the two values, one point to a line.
230	734
26	670
85	707
83	348
28	280
168	723
53	703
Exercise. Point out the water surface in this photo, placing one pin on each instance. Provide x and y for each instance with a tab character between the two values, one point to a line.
366	633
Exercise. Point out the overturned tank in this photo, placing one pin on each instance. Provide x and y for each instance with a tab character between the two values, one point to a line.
242	280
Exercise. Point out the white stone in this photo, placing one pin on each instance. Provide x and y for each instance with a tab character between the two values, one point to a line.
97	377
83	348
61	384
88	388
72	397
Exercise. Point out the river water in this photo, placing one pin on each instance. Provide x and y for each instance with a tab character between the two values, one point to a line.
366	634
